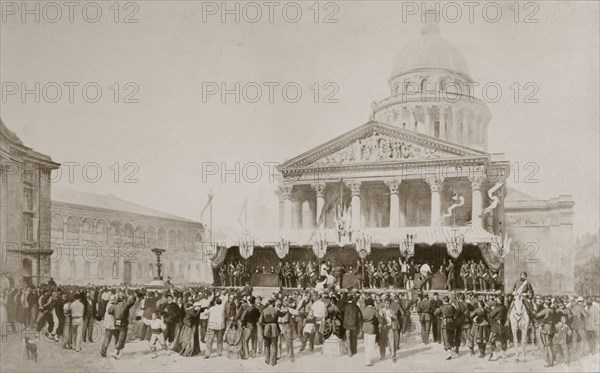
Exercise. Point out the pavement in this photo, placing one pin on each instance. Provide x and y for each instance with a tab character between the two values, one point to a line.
413	357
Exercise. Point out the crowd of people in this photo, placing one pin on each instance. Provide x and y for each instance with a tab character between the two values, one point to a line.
401	273
240	325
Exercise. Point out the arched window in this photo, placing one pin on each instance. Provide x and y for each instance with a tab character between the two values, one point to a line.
100	269
128	233
423	84
58	230
73	269
162	238
87	229
72	229
151	236
139	235
115	269
172	239
115	232
180	239
139	270
101	231
396	88
443	83
151	270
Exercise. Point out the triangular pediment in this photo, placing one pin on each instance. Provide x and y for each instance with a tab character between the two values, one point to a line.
379	143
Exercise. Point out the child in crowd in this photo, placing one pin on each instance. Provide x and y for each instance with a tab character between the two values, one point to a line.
563	332
308	331
157	326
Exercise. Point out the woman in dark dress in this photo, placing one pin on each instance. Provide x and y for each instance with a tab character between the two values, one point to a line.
189	343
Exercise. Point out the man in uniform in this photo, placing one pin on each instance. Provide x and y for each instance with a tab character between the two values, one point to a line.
447	312
464	275
436	321
268	320
425	310
498	317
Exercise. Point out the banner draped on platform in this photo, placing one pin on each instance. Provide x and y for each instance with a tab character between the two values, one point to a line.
492	259
219	257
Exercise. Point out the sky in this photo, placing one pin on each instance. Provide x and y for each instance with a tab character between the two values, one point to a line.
157	143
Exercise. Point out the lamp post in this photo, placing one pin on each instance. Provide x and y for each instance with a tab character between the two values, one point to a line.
158	252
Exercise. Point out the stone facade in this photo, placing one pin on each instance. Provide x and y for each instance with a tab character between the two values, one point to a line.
102	239
24	210
420	167
543	244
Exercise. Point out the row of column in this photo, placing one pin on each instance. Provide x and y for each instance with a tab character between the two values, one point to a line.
469	134
436	185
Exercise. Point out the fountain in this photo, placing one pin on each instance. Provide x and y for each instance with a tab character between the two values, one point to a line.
158	282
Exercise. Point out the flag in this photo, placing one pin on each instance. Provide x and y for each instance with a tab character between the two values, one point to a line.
332	203
242	213
210	198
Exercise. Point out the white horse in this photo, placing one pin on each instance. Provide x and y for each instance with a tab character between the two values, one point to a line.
519	320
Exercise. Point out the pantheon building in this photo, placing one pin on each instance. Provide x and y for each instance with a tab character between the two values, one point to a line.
418	179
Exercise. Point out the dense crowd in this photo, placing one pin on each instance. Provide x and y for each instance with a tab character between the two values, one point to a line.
401	273
235	323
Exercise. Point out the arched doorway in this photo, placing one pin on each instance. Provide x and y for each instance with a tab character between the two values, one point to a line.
27	271
127	272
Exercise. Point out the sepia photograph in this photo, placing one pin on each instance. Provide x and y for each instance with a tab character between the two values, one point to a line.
299	186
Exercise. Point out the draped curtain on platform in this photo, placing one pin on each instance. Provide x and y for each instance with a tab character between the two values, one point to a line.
492	259
219	257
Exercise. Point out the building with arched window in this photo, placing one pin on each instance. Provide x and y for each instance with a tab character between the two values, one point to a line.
109	241
25	216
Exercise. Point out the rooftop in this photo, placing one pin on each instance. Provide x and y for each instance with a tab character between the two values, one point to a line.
109	202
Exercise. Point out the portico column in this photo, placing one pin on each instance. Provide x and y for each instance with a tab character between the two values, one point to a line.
465	131
428	126
319	189
355	189
394	202
297	215
286	192
411	119
443	110
436	184
476	199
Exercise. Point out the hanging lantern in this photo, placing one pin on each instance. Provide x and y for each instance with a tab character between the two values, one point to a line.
320	245
210	249
246	246
407	248
282	248
455	244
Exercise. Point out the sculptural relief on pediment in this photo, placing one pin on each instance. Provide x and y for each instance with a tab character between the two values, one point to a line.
377	148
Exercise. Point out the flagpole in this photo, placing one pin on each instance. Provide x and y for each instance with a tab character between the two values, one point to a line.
211	223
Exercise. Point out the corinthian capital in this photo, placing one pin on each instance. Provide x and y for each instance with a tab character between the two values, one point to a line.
436	183
393	184
319	188
477	180
286	190
354	187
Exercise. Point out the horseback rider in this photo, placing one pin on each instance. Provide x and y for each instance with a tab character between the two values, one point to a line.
524	287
